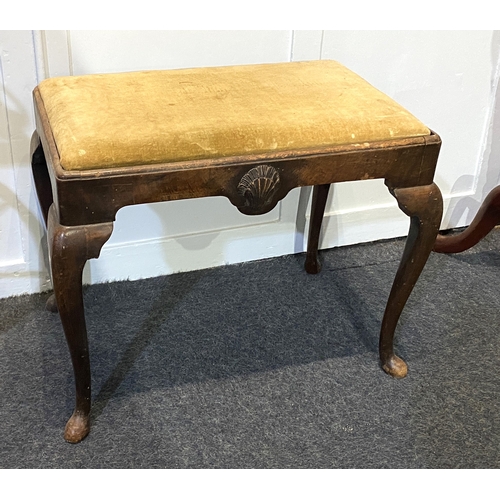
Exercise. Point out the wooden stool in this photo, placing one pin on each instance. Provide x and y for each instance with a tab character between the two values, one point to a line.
250	133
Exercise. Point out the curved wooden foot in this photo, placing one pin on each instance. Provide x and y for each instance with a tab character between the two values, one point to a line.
424	205
51	304
77	428
485	220
320	195
395	366
69	249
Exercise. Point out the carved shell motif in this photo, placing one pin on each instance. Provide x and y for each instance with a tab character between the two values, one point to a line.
258	186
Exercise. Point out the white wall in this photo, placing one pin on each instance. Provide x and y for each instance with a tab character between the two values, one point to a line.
448	79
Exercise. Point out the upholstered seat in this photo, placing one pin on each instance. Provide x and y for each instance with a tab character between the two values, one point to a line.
148	117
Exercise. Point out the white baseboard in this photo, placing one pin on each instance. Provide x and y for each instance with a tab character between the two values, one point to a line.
163	256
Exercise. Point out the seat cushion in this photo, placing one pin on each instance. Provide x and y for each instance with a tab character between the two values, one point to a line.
148	117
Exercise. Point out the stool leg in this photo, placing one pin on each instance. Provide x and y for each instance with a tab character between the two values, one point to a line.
424	205
320	195
485	220
69	249
40	176
43	190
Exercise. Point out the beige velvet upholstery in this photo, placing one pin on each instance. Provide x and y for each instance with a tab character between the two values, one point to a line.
147	117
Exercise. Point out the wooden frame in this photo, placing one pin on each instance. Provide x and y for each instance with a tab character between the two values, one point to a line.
79	208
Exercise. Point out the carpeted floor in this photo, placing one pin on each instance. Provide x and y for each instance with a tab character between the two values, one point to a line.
261	365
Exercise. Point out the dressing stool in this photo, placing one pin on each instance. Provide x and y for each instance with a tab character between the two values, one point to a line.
249	133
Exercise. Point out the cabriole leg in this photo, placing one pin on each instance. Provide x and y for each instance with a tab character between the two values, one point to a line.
320	195
40	176
69	249
424	205
43	191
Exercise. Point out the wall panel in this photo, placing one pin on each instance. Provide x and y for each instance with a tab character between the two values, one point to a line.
22	267
448	79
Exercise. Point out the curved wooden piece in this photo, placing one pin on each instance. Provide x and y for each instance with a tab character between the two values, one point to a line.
40	176
424	205
51	304
258	187
69	249
485	220
320	195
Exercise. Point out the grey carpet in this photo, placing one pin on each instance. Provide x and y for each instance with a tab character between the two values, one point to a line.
261	365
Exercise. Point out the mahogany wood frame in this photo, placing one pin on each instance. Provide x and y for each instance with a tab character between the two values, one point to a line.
79	208
487	217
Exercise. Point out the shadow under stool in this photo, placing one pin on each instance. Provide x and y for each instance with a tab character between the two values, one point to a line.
249	133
